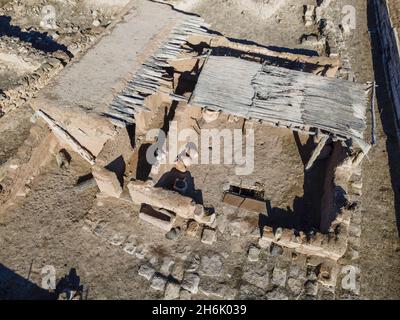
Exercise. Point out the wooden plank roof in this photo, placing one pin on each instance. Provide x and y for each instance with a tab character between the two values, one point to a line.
279	95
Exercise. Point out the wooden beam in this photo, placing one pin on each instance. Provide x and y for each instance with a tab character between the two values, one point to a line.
65	136
317	152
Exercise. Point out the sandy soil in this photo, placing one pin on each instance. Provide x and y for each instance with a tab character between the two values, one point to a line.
14	130
394	7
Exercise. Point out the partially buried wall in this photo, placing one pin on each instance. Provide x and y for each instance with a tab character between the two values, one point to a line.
389	39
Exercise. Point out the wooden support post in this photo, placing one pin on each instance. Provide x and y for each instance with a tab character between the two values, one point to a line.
317	152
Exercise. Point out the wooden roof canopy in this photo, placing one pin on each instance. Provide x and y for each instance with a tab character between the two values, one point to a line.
283	97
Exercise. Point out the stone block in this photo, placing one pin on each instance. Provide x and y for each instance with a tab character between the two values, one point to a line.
279	277
209	236
193	229
201	217
142	192
172	290
158	282
107	181
253	253
191	282
161	219
147	271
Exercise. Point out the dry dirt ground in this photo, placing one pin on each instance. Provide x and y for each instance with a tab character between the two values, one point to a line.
395	12
58	225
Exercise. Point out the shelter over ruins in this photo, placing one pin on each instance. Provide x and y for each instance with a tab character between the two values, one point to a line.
175	68
283	97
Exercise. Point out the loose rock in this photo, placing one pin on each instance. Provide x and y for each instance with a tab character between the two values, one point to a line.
253	253
147	271
172	290
158	282
209	236
191	282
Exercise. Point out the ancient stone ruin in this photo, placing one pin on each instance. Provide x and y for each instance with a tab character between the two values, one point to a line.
196	146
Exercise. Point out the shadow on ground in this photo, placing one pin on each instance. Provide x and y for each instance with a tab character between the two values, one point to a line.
386	111
39	40
15	287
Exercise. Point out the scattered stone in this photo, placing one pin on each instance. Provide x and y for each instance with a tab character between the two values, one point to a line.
354	254
250	292
257	276
154	260
173	233
146	270
279	277
166	266
267	237
23	191
107	181
216	289
117	239
294	271
211	266
312	270
178	271
235	229
194	264
277	294
295	286
327	293
309	15
96	23
141	252
100	230
172	290
253	253
130	246
193	229
185	295
355	230
209	236
276	250
159	218
311	288
312	40
325	272
212	289
63	159
158	282
191	282
240	227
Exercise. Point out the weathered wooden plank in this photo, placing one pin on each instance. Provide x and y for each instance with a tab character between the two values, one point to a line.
64	135
274	94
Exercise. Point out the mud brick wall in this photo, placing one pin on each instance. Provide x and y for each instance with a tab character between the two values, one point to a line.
390	54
